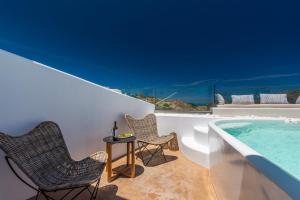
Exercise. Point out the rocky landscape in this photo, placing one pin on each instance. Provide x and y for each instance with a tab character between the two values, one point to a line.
172	104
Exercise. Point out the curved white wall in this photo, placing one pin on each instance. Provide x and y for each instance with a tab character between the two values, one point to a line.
31	93
238	172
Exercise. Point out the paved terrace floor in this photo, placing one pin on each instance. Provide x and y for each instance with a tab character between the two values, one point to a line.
179	179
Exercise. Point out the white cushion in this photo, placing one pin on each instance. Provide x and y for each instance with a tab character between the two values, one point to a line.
220	99
242	99
298	100
273	99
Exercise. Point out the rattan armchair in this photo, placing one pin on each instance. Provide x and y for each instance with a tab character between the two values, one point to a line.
43	156
146	133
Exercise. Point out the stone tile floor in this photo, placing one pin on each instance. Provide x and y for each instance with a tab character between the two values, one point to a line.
178	179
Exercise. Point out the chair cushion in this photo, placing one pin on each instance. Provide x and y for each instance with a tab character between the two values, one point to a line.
273	99
242	99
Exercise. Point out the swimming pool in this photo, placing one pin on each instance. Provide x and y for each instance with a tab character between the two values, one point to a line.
255	157
276	140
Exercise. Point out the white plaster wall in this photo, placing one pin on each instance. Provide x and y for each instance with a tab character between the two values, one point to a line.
31	93
182	124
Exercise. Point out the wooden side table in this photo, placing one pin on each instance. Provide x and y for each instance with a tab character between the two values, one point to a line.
129	169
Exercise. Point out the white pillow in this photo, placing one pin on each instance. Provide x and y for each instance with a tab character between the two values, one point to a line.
242	99
273	99
220	99
298	100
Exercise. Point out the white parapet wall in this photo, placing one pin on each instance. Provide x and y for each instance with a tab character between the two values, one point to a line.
290	112
182	124
32	93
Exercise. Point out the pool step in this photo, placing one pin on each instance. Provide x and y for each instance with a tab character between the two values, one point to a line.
196	147
201	135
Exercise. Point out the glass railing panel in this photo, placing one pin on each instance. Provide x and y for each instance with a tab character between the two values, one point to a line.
286	85
176	98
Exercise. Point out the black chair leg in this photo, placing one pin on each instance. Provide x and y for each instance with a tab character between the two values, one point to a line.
46	196
95	191
66	194
162	152
153	155
97	188
37	195
141	151
160	148
142	148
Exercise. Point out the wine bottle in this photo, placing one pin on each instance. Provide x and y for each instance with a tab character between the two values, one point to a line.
114	131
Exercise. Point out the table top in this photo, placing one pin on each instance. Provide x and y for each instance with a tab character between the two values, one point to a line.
110	139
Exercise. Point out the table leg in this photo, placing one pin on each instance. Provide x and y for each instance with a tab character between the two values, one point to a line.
109	160
107	156
128	153
132	166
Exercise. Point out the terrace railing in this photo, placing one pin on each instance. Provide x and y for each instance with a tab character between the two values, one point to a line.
177	98
292	91
199	97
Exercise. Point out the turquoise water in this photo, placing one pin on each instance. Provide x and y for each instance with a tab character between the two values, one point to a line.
278	141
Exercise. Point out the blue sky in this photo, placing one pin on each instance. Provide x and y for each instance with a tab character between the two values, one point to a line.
129	44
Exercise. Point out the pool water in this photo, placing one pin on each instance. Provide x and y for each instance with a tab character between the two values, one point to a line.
276	140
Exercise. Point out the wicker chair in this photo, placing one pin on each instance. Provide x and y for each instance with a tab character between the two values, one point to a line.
43	156
146	132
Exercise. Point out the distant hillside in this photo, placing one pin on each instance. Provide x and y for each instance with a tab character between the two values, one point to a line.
172	104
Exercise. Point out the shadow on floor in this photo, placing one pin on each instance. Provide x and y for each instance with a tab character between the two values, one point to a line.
108	192
158	159
139	170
